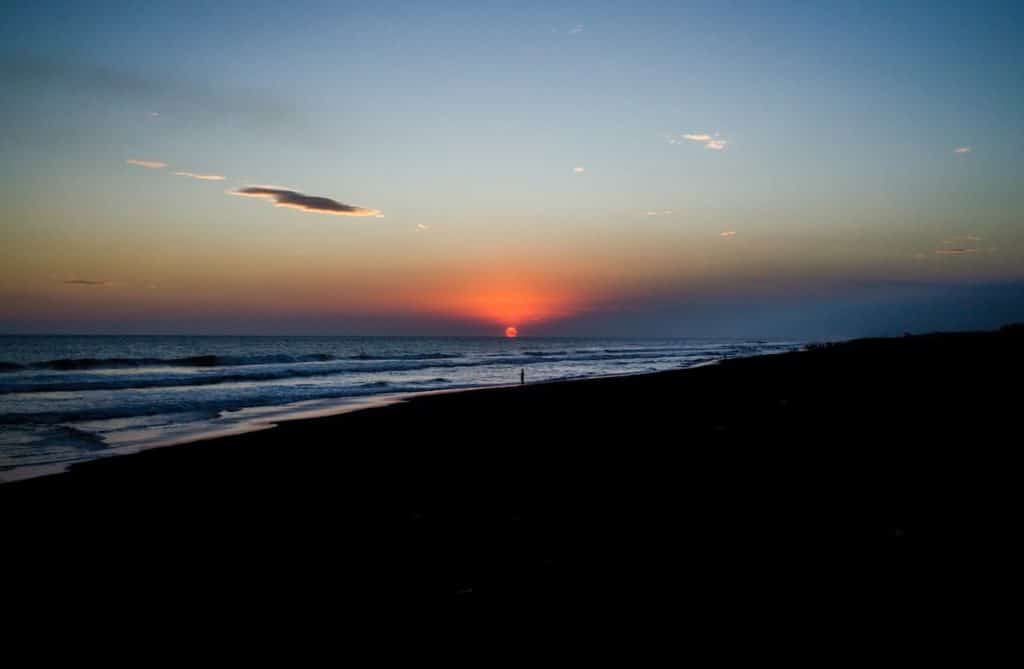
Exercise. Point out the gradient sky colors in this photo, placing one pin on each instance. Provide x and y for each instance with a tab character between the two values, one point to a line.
770	168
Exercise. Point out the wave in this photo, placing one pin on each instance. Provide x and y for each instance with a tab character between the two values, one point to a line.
406	356
210	406
86	364
83	364
33	444
690	348
331	368
148	381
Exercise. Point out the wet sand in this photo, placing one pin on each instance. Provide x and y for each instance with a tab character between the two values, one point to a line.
785	468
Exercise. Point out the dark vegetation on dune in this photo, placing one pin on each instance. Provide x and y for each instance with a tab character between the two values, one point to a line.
798	468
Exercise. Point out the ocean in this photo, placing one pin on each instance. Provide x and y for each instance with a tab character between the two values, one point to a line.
65	399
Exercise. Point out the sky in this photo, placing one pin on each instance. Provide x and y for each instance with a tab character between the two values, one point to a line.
783	169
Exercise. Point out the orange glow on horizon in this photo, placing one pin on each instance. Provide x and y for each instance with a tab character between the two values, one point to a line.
511	332
503	305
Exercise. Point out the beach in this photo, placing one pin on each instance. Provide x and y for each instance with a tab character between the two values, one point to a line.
663	480
70	399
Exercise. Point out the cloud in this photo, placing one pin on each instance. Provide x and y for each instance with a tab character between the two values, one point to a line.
579	170
23	73
714	142
962	149
961	245
204	177
150	164
420	226
302	202
87	282
576	30
727	233
663	212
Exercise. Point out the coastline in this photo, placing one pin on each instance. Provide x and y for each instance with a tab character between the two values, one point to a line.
269	417
551	488
267	421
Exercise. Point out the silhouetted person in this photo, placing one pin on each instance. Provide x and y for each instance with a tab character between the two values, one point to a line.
522	376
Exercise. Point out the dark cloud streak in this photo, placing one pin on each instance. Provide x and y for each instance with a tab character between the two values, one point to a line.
29	75
312	203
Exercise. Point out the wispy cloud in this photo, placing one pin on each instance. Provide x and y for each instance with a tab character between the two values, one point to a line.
962	149
727	233
579	170
714	142
962	245
576	29
88	282
956	239
663	212
150	164
204	177
420	226
23	74
303	202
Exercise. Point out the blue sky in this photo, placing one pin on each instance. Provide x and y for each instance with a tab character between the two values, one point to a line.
823	135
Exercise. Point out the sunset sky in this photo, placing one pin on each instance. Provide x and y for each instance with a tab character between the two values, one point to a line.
797	169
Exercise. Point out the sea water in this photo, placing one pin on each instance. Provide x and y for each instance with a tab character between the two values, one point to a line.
66	399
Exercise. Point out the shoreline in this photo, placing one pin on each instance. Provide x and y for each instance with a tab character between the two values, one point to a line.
252	425
294	412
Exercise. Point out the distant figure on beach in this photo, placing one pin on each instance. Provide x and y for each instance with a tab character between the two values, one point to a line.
522	376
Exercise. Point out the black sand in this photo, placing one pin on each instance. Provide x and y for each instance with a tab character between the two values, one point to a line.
790	467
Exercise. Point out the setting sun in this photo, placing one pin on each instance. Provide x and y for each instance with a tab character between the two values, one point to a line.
501	303
511	331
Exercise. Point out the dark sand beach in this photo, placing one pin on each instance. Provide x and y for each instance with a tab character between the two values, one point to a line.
760	470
